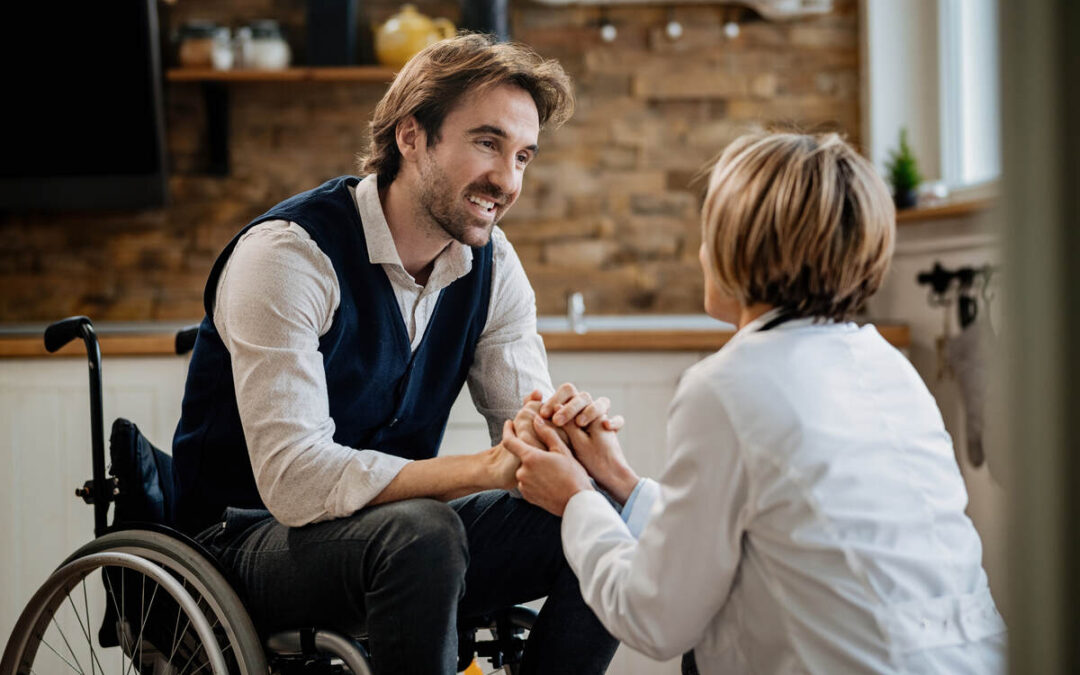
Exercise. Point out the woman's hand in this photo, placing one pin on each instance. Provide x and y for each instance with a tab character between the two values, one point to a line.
599	452
547	478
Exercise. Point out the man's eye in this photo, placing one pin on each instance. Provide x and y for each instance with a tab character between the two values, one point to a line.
487	144
523	158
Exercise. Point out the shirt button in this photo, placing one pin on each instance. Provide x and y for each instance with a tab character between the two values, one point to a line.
393	421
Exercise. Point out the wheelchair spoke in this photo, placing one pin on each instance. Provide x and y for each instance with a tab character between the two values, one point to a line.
85	628
63	636
120	615
144	615
175	640
179	638
206	663
193	653
58	655
123	620
89	640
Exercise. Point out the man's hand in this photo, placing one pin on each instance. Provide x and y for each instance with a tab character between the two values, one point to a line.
568	405
523	422
546	478
599	452
502	464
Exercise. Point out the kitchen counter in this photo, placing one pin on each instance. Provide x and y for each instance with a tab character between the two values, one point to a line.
691	333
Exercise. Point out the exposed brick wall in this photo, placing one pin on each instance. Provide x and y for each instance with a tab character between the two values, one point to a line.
607	208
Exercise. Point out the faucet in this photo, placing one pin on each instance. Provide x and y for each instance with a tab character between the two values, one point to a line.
575	311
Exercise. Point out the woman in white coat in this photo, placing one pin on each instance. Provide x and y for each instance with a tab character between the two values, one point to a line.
811	515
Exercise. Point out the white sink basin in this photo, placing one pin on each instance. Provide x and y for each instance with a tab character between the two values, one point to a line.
635	322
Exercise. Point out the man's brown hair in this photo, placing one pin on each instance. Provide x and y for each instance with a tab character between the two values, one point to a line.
799	222
433	81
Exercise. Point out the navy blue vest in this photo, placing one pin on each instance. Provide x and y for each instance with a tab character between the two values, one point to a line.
382	395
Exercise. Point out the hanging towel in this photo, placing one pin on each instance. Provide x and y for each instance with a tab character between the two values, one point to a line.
968	356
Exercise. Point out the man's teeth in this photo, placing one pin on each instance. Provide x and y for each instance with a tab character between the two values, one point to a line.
481	202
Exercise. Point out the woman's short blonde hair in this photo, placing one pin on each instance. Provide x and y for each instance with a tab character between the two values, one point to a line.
799	222
433	81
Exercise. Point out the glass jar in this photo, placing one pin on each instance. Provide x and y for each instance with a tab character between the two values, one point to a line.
196	44
242	47
222	53
268	49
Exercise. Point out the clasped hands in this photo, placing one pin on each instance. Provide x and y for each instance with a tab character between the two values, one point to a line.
561	443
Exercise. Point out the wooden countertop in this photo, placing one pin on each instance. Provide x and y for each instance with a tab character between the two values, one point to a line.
161	343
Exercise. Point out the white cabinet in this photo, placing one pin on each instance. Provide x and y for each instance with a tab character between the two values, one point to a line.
45	446
45	455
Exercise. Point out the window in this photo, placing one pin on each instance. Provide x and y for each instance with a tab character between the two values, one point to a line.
969	78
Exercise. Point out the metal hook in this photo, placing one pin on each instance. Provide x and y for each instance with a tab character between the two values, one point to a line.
987	273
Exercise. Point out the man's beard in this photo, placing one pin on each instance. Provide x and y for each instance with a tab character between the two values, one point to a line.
447	210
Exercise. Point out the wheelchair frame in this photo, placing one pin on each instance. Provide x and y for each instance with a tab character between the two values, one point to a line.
193	580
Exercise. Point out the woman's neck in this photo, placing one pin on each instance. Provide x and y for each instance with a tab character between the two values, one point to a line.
748	314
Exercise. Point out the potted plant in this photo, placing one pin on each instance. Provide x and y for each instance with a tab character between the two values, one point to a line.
903	174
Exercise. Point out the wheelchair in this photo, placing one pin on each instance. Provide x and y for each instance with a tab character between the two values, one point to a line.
163	605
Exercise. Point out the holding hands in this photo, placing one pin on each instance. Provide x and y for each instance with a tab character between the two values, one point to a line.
547	477
550	472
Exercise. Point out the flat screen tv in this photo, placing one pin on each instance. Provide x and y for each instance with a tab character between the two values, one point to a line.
83	120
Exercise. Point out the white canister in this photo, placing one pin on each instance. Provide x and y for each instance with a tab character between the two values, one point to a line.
268	49
221	55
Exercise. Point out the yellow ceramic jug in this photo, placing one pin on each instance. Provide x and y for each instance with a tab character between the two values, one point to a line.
406	33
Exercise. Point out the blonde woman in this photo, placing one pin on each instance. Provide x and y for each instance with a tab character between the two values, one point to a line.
811	516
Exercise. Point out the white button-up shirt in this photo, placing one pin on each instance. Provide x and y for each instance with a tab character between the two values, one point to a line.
278	294
810	519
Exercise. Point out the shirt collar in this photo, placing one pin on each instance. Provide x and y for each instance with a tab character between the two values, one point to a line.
756	324
454	262
760	322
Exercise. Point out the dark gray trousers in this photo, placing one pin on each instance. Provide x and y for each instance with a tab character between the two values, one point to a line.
404	573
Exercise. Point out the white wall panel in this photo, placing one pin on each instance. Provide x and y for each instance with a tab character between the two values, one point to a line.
45	446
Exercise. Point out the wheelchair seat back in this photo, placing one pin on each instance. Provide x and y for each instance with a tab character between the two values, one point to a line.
144	475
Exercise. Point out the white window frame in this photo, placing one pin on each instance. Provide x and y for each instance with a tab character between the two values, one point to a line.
969	95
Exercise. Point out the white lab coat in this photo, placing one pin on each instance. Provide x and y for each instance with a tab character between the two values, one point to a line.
810	519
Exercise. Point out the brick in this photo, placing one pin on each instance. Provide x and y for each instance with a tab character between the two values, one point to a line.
553	230
607	208
813	36
579	253
673	204
694	81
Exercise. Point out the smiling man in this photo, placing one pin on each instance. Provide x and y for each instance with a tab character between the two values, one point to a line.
340	327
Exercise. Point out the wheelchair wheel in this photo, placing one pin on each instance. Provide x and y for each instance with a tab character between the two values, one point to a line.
162	608
509	629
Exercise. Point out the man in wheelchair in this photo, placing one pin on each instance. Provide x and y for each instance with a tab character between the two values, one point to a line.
340	327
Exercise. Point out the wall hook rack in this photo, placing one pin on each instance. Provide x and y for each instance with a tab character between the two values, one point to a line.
942	293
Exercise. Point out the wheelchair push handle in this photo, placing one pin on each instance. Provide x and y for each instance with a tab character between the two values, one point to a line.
185	339
97	491
65	330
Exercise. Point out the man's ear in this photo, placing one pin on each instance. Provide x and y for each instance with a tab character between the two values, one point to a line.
410	137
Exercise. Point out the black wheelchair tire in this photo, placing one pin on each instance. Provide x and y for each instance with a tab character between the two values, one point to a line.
198	574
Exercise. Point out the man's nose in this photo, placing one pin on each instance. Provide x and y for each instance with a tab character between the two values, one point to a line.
505	176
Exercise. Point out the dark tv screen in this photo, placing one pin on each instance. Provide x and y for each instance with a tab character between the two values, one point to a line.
83	126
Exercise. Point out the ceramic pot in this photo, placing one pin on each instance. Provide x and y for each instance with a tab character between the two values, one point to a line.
406	33
905	199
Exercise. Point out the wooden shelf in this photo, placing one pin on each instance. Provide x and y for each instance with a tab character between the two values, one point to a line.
369	74
946	209
216	89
